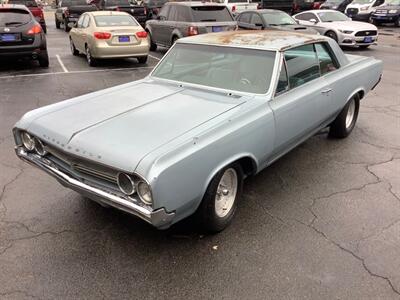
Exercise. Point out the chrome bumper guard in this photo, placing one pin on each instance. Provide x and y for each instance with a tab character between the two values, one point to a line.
159	218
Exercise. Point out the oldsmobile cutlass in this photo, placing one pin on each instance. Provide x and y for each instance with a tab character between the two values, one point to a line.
217	108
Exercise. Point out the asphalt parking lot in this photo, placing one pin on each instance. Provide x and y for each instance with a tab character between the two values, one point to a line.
323	222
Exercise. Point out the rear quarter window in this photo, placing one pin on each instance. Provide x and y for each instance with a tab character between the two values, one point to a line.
211	14
14	17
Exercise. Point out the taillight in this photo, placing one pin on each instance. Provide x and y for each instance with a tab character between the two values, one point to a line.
192	30
233	8
141	34
102	35
35	30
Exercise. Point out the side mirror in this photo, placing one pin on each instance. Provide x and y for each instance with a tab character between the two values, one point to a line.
71	24
313	21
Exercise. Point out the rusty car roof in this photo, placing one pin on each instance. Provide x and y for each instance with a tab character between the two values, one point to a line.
275	40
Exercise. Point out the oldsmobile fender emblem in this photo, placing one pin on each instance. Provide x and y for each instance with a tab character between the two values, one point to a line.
6	29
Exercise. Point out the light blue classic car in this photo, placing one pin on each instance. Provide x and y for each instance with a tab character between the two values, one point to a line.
217	108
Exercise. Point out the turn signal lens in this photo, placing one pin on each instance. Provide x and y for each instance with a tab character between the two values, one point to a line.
141	34
144	192
28	141
35	30
102	35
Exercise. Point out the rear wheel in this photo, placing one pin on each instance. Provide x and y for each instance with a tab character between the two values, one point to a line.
219	203
66	28
346	120
332	35
73	49
364	46
89	58
44	59
174	39
142	59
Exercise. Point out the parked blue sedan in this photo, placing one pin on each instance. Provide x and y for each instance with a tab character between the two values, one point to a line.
217	108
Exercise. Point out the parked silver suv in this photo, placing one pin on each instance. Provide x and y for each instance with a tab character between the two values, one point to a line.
180	19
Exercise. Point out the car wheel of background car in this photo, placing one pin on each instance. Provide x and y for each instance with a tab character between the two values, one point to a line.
44	59
153	46
174	39
44	29
58	24
332	35
346	120
397	22
220	200
142	59
89	58
73	49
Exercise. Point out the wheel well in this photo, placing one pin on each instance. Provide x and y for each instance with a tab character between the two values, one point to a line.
360	94
248	164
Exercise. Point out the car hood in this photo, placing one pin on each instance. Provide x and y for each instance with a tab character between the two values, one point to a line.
119	127
358	5
351	25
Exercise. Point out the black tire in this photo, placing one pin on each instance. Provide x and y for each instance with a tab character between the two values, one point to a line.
66	28
153	46
397	22
74	51
142	59
89	58
58	24
174	39
44	29
342	127
206	215
44	59
364	46
332	35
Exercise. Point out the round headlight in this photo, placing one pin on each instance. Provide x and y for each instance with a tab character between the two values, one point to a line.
39	147
126	184
27	141
144	192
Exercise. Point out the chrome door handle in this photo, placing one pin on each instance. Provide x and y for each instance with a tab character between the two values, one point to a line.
326	91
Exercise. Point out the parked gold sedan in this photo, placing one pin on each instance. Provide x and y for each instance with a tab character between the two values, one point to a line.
106	34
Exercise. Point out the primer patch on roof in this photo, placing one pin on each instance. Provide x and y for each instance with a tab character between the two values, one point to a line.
266	39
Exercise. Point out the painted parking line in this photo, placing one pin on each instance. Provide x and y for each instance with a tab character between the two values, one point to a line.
74	72
62	64
155	57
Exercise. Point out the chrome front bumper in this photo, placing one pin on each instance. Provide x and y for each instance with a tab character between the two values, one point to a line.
158	218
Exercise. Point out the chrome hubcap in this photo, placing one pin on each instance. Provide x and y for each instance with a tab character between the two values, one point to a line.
226	193
350	113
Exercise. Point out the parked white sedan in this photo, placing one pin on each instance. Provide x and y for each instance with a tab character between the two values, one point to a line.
339	27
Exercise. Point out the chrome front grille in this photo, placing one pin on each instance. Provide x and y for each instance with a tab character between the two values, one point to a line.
366	33
352	11
81	166
381	11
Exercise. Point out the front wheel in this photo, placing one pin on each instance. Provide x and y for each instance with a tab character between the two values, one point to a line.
332	35
153	46
74	51
219	203
58	24
397	22
142	59
346	120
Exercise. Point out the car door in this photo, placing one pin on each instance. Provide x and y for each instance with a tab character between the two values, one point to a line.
85	31
158	27
256	21
244	20
169	25
77	34
298	99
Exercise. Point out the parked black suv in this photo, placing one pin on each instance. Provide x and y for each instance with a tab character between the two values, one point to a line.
130	7
69	11
388	13
21	35
180	19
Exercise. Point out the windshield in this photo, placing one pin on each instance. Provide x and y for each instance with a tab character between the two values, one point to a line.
363	1
74	2
332	16
238	69
392	2
117	20
278	18
211	14
28	3
14	17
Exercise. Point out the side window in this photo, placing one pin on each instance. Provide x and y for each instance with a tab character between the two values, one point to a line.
245	18
183	13
164	12
173	13
302	65
327	62
80	21
306	17
256	20
86	22
283	83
